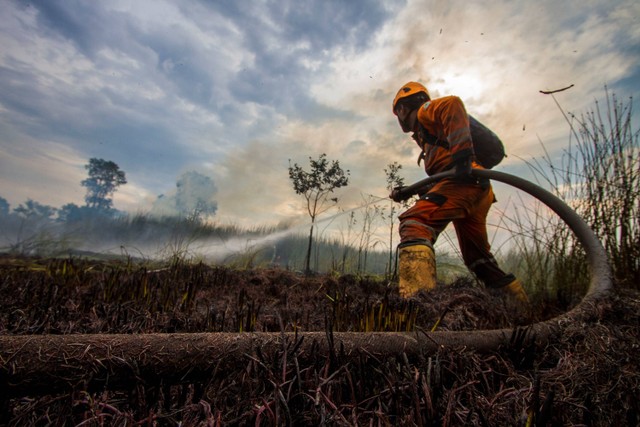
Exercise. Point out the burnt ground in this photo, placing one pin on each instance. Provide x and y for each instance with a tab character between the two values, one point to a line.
589	375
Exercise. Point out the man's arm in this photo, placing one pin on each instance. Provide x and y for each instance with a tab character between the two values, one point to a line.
455	126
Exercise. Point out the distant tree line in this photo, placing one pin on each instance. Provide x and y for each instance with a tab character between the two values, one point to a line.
193	198
97	227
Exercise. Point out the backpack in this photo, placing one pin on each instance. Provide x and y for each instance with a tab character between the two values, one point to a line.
488	148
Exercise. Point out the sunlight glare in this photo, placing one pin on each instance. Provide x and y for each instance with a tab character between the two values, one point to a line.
468	86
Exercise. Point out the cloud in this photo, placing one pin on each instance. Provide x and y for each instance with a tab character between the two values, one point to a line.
495	57
234	92
40	171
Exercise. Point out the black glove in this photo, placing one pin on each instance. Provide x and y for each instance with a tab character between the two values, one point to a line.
462	165
399	194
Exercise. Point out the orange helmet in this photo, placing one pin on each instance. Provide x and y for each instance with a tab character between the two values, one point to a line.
407	90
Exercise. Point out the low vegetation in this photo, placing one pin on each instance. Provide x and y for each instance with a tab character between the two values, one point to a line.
51	283
587	376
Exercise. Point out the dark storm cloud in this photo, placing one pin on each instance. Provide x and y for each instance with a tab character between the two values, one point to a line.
279	35
178	57
156	156
329	23
86	24
87	122
18	92
179	60
226	87
100	112
283	35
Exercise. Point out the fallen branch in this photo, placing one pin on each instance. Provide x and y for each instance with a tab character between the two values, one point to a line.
549	92
49	363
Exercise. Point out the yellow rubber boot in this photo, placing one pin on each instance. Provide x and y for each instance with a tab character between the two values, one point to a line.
515	290
417	270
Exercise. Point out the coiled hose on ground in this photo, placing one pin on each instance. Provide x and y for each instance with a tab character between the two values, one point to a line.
45	363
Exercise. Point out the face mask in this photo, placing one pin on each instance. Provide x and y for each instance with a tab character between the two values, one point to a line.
404	118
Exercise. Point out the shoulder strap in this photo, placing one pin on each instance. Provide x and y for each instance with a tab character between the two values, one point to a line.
431	139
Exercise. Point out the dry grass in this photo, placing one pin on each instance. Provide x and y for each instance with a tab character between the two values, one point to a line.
588	376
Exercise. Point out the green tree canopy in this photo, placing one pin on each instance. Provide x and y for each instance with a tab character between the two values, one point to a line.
33	209
104	178
316	185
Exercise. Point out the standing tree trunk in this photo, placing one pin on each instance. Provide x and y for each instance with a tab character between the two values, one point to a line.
307	259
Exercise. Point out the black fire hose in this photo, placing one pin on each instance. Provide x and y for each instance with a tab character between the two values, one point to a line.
597	258
47	363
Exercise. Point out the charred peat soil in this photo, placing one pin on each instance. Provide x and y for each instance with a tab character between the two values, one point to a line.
587	375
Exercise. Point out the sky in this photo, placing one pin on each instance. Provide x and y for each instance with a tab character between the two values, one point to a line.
239	90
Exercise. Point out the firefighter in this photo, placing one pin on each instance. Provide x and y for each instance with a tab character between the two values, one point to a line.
440	127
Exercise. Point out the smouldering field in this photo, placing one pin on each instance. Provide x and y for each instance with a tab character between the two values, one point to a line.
587	376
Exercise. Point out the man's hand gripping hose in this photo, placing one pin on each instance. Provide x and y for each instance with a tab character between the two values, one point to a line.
400	194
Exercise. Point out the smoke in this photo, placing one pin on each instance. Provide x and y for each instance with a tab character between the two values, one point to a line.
193	198
219	250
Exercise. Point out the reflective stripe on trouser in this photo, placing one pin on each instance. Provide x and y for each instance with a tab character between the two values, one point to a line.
467	206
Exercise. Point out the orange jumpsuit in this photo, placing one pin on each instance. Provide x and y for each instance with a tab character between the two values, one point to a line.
445	137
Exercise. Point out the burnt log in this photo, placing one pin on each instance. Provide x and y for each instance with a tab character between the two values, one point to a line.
37	364
47	363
